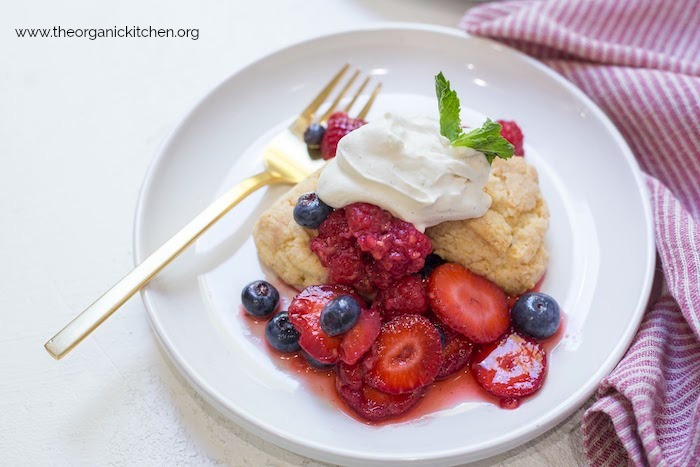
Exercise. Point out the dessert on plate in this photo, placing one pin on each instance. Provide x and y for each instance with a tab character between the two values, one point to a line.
415	250
506	244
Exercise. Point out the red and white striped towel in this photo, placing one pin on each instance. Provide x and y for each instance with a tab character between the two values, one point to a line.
639	60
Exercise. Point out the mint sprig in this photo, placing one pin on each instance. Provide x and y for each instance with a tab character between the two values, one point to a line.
486	139
448	104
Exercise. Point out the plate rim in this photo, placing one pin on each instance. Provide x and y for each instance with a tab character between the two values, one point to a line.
512	439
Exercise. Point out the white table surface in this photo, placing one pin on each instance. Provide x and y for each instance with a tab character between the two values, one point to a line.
79	122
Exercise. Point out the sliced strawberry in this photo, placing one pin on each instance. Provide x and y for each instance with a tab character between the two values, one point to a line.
339	124
358	340
351	375
456	349
374	405
406	356
455	355
468	303
513	367
408	295
304	314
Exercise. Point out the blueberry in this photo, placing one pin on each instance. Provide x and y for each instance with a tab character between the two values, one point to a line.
536	314
260	298
281	334
340	315
431	262
310	211
315	363
313	135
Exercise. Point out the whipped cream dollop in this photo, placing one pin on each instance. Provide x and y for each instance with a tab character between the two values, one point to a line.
404	165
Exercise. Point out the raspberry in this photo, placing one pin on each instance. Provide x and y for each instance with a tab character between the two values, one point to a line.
366	247
396	246
335	225
366	219
339	124
408	295
337	250
511	131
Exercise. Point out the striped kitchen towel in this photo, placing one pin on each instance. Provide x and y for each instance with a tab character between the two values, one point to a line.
639	60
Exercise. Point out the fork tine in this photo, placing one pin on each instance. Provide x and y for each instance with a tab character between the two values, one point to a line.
308	113
365	110
357	94
337	99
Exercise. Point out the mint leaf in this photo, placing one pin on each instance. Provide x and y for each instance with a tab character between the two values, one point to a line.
486	139
448	104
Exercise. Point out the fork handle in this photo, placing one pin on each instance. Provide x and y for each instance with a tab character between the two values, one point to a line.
94	315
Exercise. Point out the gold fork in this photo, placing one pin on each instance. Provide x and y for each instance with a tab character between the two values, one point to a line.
287	160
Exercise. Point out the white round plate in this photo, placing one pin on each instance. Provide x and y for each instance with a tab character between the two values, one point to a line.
601	242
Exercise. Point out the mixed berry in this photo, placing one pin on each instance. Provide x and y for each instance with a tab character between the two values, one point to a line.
317	137
340	124
305	314
366	248
394	317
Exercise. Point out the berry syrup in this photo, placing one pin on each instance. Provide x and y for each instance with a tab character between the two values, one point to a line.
441	395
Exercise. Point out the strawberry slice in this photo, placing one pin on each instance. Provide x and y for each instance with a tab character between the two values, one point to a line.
468	303
366	401
351	375
358	340
456	349
455	355
305	313
513	367
406	356
374	405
